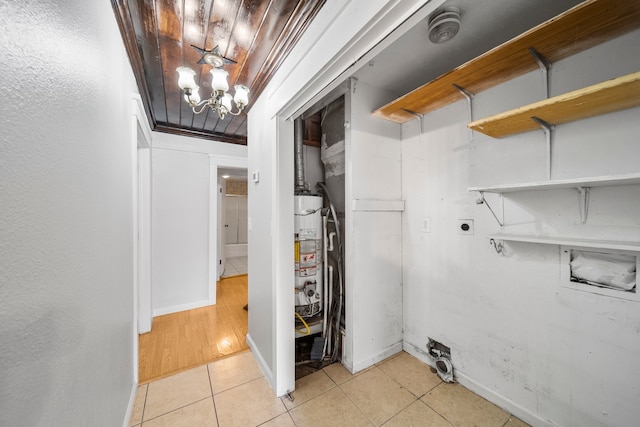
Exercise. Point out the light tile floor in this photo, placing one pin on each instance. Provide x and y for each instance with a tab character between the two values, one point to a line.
235	266
398	392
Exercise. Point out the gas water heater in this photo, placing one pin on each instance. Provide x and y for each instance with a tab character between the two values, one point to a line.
308	255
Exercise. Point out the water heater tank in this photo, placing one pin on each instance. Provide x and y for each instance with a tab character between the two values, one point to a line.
308	255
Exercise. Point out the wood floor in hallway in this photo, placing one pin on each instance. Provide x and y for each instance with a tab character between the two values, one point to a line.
183	340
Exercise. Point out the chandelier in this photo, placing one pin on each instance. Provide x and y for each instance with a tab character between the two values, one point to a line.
220	100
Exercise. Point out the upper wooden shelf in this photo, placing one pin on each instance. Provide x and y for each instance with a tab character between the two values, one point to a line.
602	98
581	27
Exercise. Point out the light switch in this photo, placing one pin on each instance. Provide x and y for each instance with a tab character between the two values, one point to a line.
425	226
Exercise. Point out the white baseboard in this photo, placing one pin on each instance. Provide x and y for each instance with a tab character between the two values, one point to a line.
132	401
507	404
371	360
181	307
268	374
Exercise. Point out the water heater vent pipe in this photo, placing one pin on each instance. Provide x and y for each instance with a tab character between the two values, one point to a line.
298	146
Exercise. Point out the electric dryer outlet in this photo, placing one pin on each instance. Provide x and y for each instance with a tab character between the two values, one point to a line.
465	226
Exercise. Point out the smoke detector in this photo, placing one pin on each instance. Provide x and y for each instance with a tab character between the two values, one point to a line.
444	25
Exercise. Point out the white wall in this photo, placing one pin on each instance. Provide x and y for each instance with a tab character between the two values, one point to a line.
262	134
551	355
66	234
184	219
180	230
373	235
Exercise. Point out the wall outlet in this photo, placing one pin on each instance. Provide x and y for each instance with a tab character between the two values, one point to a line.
425	225
465	226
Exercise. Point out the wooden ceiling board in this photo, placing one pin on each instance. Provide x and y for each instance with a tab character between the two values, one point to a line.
290	35
194	33
144	25
158	35
274	20
586	25
247	24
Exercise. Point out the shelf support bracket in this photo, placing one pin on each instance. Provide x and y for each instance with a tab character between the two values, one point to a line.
544	66
583	202
548	128
482	201
420	118
469	96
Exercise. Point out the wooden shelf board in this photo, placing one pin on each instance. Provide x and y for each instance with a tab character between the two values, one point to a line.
568	241
612	95
603	181
581	27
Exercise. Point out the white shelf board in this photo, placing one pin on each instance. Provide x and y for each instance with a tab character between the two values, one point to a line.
601	181
568	241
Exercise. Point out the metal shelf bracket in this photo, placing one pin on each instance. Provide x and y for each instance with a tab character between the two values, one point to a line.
469	96
544	66
420	118
583	202
482	201
548	131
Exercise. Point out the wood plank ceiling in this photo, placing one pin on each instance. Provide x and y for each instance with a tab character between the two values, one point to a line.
159	35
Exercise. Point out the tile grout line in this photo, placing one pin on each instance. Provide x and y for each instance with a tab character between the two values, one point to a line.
354	403
434	409
176	409
401	386
314	397
144	404
215	410
236	386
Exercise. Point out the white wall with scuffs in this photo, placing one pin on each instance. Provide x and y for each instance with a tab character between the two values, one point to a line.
66	216
373	237
551	355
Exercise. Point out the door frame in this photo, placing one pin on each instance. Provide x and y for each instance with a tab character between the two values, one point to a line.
141	210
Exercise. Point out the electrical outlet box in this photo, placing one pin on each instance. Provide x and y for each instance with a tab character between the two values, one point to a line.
425	225
465	226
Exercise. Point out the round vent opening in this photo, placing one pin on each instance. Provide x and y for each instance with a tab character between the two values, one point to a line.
444	25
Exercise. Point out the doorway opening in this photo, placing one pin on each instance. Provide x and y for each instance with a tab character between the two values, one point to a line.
319	212
233	235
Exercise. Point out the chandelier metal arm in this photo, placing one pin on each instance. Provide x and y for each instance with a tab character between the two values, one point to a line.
220	101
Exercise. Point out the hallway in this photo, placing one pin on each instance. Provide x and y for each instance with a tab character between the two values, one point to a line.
191	338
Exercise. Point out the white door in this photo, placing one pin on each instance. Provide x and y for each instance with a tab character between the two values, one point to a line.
243	229
231	219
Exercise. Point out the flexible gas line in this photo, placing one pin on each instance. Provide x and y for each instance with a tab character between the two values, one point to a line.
304	323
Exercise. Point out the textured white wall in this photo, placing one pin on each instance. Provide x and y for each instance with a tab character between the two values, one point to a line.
66	259
551	355
180	230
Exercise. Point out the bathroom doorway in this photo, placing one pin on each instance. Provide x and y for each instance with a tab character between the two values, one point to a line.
234	222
